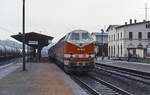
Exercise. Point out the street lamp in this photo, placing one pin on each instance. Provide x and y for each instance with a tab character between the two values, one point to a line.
102	44
23	35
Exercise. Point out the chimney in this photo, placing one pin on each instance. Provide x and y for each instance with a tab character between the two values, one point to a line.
130	21
125	23
135	21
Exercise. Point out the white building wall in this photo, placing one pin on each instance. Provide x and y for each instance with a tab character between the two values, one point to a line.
111	42
124	41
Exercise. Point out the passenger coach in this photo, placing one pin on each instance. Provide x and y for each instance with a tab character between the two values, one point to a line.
75	51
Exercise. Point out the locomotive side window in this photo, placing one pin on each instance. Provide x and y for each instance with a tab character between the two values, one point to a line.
74	36
85	37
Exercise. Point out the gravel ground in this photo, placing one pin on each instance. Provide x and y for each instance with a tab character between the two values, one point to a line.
39	79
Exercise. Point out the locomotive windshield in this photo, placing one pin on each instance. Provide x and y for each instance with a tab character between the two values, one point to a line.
74	36
86	37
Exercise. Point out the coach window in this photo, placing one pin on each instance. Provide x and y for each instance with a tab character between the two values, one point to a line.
74	36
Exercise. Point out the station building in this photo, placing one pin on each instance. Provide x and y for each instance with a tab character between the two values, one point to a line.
98	37
131	39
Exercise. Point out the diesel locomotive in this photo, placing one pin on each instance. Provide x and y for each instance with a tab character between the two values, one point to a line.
74	52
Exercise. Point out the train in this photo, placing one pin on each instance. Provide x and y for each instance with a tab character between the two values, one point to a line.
7	52
74	52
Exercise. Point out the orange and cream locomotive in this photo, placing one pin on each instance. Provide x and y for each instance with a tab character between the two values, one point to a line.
75	51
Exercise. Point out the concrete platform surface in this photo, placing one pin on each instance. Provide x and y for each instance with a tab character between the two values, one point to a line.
144	67
39	79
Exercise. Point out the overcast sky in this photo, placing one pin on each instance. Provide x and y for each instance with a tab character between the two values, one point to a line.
58	17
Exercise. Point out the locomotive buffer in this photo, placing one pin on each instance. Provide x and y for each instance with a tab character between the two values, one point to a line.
35	40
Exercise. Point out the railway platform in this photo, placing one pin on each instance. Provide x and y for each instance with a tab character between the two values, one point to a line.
39	79
143	67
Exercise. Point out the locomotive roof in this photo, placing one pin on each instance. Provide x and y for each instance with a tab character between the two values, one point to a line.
79	30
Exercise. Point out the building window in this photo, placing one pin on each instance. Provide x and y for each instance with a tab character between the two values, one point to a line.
148	36
140	35
121	50
118	50
130	36
147	25
121	35
114	50
109	51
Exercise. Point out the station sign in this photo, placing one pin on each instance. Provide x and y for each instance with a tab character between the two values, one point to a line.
33	42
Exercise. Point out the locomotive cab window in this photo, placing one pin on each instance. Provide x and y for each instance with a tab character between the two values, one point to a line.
85	37
74	36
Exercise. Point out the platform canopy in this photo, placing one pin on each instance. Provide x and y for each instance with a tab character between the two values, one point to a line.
35	40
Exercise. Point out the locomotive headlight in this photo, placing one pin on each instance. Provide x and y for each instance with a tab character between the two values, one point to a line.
73	55
89	55
92	55
69	55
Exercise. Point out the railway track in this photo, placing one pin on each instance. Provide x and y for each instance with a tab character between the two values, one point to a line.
9	61
9	67
127	73
97	86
